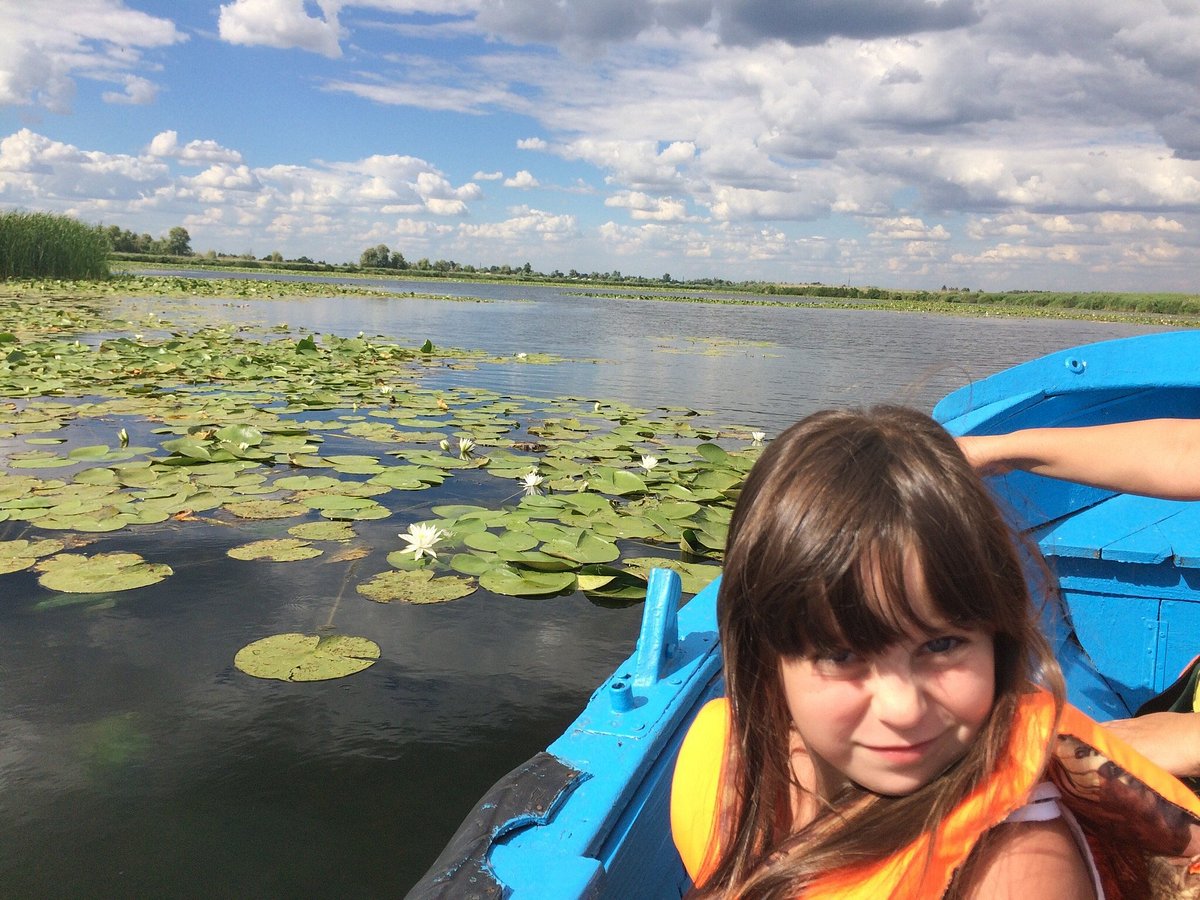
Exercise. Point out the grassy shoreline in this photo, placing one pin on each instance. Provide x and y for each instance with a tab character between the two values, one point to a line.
1168	310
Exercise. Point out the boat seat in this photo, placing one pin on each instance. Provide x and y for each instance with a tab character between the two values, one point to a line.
1128	528
1129	569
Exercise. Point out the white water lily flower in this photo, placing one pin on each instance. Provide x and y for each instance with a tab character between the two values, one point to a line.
465	446
757	436
445	445
532	481
522	356
123	437
649	462
421	539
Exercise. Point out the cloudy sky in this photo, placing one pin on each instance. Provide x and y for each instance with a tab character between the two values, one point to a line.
988	144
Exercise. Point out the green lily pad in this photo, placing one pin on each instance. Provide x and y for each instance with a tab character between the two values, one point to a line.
514	583
617	481
21	554
488	542
695	576
278	550
266	509
469	564
713	454
372	511
306	657
585	549
74	573
415	587
323	531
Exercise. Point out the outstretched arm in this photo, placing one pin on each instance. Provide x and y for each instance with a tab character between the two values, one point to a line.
1155	457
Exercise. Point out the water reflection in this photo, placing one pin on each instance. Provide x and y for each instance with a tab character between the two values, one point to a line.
132	747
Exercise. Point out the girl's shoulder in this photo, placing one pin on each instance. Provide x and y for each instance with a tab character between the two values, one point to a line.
1018	860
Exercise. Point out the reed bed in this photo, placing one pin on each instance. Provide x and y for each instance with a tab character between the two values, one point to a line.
45	245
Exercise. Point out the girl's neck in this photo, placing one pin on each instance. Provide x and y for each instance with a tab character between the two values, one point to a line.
809	783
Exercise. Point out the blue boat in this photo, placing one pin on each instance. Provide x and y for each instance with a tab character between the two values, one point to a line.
588	817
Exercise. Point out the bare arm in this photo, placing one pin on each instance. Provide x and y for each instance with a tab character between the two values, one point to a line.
1023	860
1155	457
1169	739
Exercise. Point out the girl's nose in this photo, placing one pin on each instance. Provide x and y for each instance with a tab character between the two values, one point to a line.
897	699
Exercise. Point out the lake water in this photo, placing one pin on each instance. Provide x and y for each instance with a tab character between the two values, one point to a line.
136	761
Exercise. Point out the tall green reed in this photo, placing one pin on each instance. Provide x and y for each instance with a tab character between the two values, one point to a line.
45	245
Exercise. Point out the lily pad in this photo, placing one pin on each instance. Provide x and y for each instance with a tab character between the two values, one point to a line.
695	576
416	587
266	509
306	657
513	541
514	583
279	550
21	554
323	531
74	573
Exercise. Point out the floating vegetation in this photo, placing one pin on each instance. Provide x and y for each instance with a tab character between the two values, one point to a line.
306	657
416	587
75	573
277	550
293	438
22	554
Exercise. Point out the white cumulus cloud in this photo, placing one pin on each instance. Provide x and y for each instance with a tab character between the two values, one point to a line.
523	180
282	23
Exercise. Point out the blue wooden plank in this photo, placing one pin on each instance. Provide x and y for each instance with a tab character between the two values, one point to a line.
1090	531
1033	500
1156	541
1184	532
1120	634
1181	627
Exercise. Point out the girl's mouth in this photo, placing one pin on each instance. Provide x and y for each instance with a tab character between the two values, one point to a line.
902	753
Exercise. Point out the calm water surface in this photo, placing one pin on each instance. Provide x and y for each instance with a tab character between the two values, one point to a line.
134	759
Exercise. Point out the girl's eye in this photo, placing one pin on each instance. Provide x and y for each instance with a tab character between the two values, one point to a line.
839	663
836	657
943	644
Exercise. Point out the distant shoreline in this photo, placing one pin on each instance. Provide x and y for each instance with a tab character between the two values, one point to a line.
1161	309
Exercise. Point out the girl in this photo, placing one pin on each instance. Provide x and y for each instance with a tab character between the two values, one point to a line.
891	705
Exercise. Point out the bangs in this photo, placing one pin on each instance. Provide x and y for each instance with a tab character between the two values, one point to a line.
882	598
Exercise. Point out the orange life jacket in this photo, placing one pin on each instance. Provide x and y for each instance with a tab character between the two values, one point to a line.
1121	799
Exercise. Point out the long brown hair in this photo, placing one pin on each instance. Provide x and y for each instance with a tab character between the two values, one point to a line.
834	506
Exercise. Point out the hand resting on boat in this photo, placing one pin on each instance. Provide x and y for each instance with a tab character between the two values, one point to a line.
1169	739
1152	457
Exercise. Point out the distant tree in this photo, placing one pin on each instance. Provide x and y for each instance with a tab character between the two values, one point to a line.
527	269
179	242
667	278
275	256
377	257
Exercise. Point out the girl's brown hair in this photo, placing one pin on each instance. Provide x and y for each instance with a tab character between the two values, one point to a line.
827	516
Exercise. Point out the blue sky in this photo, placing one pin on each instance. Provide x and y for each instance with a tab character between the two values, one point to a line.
995	144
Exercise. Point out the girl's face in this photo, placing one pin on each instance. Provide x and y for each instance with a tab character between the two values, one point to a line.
894	721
